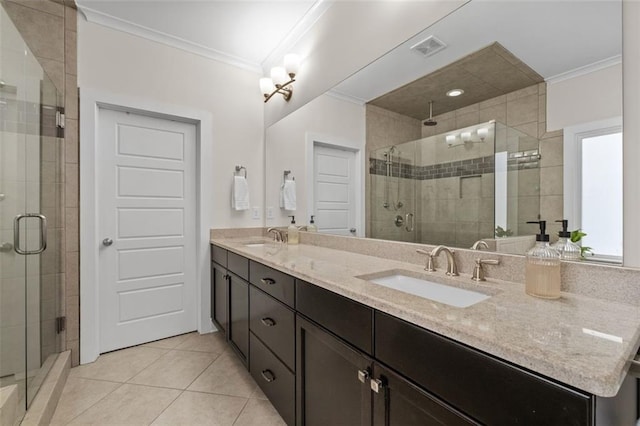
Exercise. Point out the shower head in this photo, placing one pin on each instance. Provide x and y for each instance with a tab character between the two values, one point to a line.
430	121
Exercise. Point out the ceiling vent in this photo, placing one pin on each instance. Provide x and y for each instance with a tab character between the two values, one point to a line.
429	46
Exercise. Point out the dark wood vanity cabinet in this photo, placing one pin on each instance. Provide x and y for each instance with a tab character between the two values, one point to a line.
324	359
398	402
332	381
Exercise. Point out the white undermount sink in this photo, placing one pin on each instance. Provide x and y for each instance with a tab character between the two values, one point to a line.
449	295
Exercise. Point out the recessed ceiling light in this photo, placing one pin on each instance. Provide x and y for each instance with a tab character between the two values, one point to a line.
455	92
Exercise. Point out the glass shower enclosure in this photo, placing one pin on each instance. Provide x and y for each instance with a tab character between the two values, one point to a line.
31	217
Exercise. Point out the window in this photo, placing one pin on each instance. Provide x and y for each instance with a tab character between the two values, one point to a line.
593	186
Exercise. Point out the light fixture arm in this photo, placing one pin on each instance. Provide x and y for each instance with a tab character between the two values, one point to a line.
285	91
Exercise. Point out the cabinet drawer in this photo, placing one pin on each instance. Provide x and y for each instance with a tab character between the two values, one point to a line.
486	388
238	265
275	380
275	283
342	316
274	324
219	255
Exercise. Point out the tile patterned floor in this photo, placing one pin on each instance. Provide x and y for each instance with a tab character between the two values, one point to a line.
190	379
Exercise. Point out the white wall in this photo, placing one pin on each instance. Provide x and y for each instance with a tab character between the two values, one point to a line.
586	98
120	63
631	131
326	118
350	35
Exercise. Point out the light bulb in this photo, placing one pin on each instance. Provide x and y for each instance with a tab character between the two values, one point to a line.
266	85
451	139
278	75
483	133
465	136
292	63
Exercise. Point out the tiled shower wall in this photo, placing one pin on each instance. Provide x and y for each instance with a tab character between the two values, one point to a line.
49	29
529	190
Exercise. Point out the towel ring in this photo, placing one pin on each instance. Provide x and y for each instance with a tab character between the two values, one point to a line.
239	169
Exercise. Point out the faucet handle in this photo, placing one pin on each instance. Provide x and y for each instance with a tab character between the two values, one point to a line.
478	271
429	265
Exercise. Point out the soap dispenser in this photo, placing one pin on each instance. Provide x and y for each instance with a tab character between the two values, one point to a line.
542	275
312	225
293	235
568	249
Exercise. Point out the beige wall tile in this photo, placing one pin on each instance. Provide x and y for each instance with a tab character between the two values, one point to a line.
72	229
72	269
42	6
552	151
70	52
74	347
551	182
71	185
71	141
54	69
493	102
527	91
73	317
71	96
522	110
43	32
70	19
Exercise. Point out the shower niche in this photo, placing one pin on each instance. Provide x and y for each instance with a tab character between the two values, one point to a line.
456	187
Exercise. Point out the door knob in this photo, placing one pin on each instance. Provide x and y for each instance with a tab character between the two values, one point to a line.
107	242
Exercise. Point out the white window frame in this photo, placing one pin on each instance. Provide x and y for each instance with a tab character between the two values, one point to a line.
572	160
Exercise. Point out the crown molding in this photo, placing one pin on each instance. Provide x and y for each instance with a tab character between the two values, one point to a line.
123	25
347	98
587	69
309	19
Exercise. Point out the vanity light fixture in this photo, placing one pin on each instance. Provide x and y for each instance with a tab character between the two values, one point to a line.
455	92
281	79
483	132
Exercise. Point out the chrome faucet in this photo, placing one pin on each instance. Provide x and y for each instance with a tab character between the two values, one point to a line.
452	269
480	244
278	234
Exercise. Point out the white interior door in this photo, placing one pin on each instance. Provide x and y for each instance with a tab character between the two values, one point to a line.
146	228
334	190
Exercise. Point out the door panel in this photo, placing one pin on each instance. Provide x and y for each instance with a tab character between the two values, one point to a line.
334	190
146	206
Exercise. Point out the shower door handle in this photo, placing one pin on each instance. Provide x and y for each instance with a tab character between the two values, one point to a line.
406	220
16	233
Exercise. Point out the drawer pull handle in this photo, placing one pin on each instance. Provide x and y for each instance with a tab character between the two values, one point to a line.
363	375
269	322
268	375
268	281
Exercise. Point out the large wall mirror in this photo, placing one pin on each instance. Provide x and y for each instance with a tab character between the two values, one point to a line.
503	112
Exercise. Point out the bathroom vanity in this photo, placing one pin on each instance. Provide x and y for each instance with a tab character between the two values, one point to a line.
327	346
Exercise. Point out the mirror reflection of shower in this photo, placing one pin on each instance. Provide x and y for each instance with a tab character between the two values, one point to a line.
391	202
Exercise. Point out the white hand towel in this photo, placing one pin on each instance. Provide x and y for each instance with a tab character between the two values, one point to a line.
240	193
288	195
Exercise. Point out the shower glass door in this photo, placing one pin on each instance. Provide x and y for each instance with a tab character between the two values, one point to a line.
30	184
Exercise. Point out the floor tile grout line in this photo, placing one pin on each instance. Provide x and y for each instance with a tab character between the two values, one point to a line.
240	412
94	404
202	372
168	405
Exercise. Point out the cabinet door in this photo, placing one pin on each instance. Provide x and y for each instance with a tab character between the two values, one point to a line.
219	296
238	332
332	381
396	402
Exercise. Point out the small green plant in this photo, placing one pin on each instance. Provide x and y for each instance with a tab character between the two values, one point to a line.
501	232
576	237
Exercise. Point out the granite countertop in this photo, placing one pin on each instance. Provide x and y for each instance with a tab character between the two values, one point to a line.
581	341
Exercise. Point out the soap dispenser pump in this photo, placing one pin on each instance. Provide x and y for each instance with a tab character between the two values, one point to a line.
542	274
312	225
293	235
568	249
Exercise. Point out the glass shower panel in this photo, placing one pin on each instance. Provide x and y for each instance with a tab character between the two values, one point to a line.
393	184
29	299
